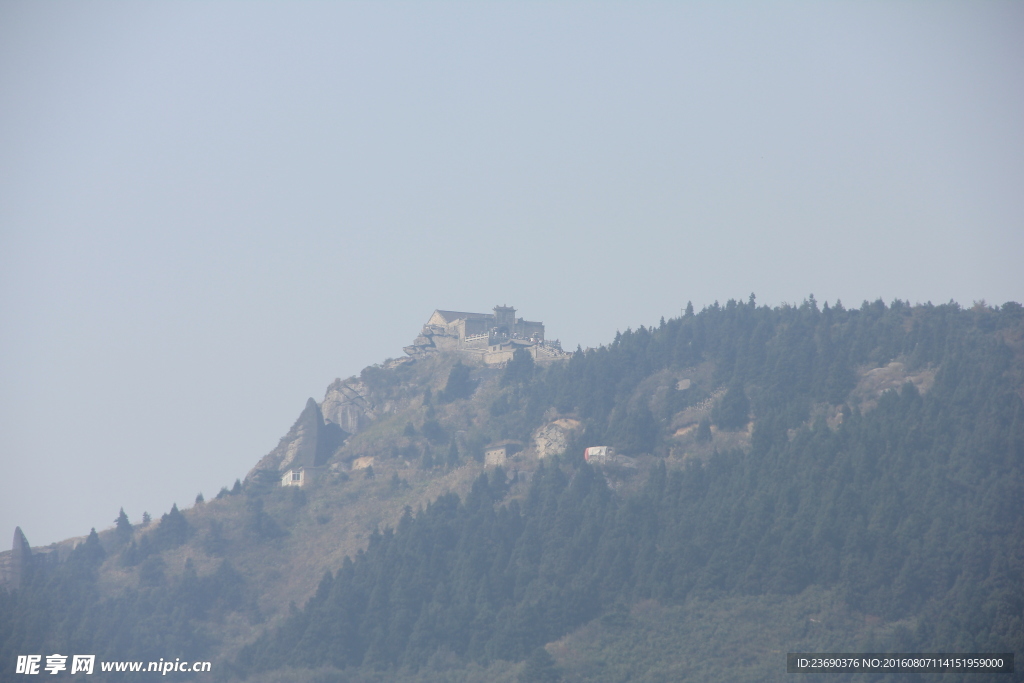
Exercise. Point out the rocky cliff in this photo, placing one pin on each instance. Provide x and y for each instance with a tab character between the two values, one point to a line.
309	443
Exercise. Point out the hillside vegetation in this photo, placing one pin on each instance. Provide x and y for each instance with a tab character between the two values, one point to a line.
798	478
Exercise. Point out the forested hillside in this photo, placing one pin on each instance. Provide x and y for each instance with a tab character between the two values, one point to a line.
846	518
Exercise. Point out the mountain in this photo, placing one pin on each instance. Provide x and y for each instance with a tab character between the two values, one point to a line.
789	479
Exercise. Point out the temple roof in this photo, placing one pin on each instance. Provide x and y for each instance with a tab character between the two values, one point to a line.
451	316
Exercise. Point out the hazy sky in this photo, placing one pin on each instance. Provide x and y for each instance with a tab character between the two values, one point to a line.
208	211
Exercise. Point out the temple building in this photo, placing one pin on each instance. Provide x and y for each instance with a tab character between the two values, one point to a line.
493	337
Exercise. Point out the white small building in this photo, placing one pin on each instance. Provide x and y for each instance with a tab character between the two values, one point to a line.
300	476
597	455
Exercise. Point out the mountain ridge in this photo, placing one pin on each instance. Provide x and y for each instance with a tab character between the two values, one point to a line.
761	380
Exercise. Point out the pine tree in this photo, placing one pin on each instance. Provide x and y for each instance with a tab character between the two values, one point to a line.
123	529
733	411
173	529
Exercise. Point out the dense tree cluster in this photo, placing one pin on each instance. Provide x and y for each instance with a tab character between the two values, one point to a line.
909	509
61	610
776	363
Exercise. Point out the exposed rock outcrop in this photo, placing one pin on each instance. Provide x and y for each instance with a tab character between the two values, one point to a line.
874	382
553	438
346	404
19	561
309	443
